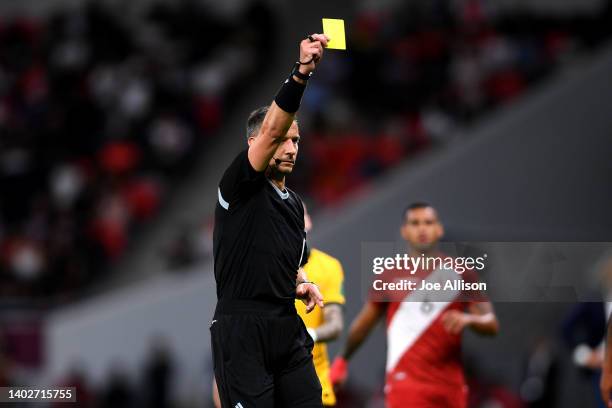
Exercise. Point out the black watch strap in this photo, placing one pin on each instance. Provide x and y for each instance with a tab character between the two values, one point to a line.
297	73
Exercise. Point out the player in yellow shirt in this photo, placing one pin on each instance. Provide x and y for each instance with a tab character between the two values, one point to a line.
323	324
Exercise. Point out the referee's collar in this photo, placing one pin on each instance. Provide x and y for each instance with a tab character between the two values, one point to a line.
282	194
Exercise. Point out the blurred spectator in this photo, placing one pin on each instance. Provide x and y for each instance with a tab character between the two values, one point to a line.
540	386
6	367
584	329
191	244
21	340
76	378
119	391
158	374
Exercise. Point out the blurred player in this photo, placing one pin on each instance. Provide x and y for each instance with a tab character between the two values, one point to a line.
606	372
262	352
606	367
325	324
584	329
424	366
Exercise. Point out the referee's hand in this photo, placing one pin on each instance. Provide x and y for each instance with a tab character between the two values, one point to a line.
311	52
309	294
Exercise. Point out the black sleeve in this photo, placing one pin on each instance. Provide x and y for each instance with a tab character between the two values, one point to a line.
306	254
239	180
300	209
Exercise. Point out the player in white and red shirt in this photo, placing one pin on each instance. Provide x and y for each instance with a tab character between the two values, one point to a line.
424	368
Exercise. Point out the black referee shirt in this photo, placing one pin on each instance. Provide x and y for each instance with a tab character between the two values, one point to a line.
259	238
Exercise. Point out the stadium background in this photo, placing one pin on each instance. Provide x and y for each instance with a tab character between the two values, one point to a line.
116	121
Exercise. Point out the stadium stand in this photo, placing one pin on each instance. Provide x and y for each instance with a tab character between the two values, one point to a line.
100	113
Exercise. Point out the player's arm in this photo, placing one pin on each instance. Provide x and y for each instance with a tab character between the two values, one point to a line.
482	318
361	328
479	317
332	324
358	332
282	111
606	370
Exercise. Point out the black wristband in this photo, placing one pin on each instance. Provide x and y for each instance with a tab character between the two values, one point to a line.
306	281
289	95
297	73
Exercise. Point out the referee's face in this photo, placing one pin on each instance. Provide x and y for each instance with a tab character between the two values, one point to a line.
287	151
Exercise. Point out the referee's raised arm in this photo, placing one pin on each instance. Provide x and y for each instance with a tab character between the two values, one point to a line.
282	111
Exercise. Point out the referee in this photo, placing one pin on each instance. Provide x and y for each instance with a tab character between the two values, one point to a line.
262	351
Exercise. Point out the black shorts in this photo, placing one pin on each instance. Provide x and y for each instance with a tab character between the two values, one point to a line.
262	356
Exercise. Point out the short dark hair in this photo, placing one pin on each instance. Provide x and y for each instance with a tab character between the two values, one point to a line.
255	120
415	206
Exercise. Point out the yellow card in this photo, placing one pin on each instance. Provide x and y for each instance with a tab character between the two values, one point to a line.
334	29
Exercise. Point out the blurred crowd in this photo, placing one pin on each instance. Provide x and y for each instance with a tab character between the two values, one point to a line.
102	109
418	72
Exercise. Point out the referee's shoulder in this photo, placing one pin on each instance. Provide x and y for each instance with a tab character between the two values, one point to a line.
237	162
